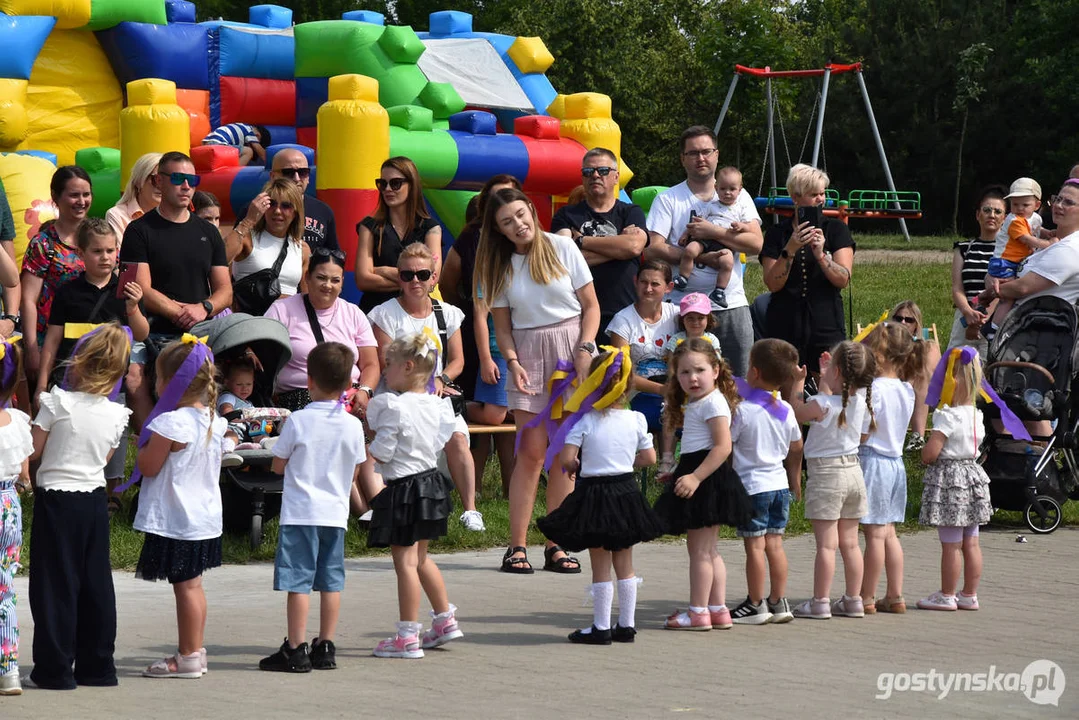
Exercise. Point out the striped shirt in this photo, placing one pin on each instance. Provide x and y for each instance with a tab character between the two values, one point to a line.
234	134
976	254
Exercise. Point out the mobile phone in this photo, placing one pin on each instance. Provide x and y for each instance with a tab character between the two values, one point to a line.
811	215
127	274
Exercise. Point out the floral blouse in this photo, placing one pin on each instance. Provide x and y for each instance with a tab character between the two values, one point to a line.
55	263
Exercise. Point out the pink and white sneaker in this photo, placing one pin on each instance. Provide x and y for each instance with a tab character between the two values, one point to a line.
721	619
400	647
938	601
443	629
966	602
689	620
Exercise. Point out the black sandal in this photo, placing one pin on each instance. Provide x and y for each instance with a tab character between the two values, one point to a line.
115	505
516	565
565	564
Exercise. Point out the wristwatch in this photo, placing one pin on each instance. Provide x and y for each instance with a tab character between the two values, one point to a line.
366	389
588	347
208	307
445	379
13	318
784	254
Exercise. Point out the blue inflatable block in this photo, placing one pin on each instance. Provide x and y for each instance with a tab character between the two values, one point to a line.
349	291
271	16
450	22
282	134
51	157
256	54
179	11
210	24
367	16
247	184
311	94
501	44
539	90
22	38
479	157
475	122
180	53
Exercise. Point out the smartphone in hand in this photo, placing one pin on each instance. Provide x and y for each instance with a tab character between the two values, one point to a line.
813	215
127	274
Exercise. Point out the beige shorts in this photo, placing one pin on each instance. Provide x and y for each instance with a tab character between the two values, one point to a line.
835	489
538	351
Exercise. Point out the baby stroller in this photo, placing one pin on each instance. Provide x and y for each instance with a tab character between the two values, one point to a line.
1032	365
251	492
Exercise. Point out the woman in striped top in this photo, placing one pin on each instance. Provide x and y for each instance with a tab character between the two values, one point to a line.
970	263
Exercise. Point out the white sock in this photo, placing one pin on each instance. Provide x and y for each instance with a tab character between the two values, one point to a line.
408	629
603	596
627	602
716	608
698	610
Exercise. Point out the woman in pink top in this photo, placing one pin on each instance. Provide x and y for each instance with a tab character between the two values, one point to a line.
140	196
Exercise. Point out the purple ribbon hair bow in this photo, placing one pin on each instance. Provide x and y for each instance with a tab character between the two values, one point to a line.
938	392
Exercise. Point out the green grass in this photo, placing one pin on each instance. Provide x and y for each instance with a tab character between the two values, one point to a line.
874	241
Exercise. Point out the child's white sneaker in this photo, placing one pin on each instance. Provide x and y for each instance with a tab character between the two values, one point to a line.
966	602
10	684
473	521
938	601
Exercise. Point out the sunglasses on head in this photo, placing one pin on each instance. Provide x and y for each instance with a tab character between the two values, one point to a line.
285	205
393	184
179	178
601	171
907	319
295	172
322	255
421	275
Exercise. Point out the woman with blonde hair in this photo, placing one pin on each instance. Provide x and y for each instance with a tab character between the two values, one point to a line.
546	314
276	242
140	195
399	220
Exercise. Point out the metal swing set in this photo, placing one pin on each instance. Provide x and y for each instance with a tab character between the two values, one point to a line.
876	204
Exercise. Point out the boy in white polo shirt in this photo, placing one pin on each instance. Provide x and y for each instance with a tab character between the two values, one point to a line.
319	452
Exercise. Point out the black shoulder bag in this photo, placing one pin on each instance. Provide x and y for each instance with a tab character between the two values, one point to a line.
458	401
312	318
255	293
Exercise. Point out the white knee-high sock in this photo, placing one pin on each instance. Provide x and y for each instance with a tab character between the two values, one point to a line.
627	602
603	597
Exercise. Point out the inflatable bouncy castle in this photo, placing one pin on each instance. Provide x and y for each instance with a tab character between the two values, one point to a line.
100	82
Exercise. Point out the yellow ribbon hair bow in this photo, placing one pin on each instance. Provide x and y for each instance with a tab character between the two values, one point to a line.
869	328
947	391
189	339
595	380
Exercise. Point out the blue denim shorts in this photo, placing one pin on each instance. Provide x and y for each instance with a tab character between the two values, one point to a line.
771	511
309	557
1003	269
493	394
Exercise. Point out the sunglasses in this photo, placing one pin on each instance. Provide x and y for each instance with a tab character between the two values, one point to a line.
601	171
179	178
296	172
321	256
992	211
905	319
393	184
421	275
284	205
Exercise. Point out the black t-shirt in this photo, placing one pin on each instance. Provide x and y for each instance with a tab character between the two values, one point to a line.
466	244
387	247
75	302
320	229
613	279
180	256
808	310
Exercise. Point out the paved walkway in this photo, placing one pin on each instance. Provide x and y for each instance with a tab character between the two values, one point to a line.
515	662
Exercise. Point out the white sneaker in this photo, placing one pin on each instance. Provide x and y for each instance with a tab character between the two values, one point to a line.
473	521
966	602
10	684
938	601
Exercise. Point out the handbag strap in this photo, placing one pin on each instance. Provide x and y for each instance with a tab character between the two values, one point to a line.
280	257
440	318
99	304
316	328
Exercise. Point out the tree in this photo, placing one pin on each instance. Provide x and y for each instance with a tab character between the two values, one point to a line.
971	68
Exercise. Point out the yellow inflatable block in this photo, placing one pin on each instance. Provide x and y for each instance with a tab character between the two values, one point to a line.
26	182
588	105
557	108
154	125
530	55
74	99
14	121
353	135
597	131
69	14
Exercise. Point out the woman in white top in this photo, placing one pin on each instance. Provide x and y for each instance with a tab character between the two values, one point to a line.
545	311
140	196
413	313
283	222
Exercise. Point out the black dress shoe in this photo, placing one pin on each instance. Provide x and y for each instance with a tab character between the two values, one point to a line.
596	637
623	634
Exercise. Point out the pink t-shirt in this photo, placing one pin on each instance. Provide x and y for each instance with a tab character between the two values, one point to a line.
342	322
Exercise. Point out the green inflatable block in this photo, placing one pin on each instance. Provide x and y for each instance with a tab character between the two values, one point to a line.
450	206
411	117
103	166
401	44
435	154
645	196
400	85
105	14
337	47
440	125
442	98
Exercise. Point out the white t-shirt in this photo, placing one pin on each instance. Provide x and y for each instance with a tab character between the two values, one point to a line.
395	321
1058	263
964	427
82	429
893	404
183	501
609	441
760	445
411	429
1035	222
696	435
265	248
669	216
16	444
532	305
647	341
825	438
323	444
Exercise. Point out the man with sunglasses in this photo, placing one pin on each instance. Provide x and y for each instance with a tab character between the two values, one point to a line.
692	202
320	229
609	232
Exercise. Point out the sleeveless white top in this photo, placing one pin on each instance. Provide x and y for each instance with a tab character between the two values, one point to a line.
264	250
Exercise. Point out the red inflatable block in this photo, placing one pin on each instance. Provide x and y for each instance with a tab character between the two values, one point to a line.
349	207
208	158
541	127
308	137
544	208
258	101
554	166
219	182
197	104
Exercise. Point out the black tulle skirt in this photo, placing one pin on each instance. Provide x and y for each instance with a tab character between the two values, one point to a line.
720	499
410	509
607	512
177	561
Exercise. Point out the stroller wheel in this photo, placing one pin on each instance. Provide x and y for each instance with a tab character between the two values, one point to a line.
256	531
1043	516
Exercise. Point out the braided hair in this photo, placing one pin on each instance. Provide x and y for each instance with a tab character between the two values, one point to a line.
856	367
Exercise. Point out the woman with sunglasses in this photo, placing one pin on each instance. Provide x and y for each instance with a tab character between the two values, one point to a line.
399	220
970	264
413	312
280	228
909	315
140	196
